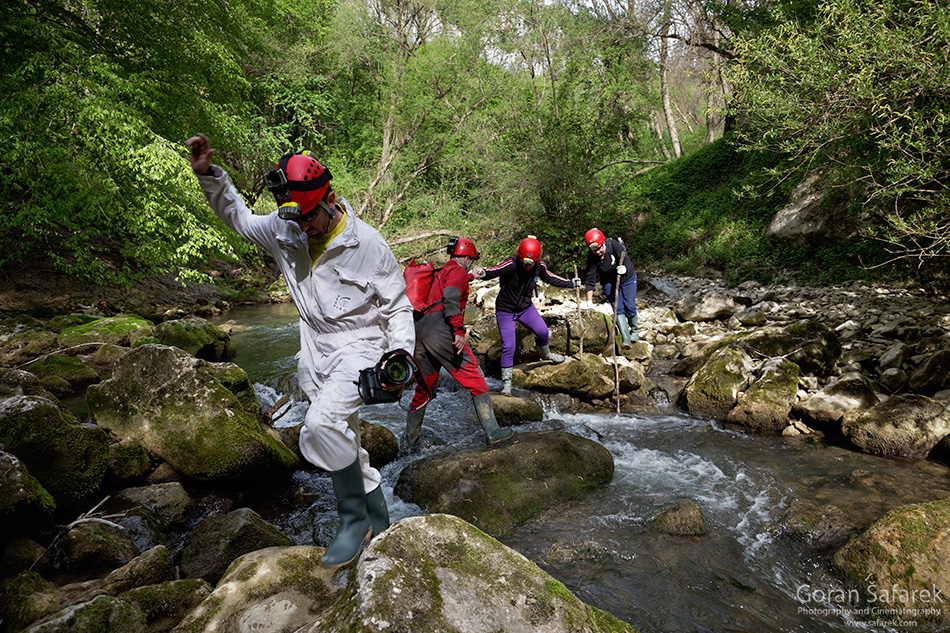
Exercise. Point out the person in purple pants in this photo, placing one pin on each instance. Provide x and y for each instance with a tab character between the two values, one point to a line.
519	277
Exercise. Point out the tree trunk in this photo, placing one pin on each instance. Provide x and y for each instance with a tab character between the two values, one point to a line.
664	81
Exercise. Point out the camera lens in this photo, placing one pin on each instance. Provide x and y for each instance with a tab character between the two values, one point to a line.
396	372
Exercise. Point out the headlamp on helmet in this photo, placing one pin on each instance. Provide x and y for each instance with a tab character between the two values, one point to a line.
529	251
300	179
595	239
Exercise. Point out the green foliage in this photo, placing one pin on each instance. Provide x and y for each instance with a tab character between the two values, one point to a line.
864	89
692	216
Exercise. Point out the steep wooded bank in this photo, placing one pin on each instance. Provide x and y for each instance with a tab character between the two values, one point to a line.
491	119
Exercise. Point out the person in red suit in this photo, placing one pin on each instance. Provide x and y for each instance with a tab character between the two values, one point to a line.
440	342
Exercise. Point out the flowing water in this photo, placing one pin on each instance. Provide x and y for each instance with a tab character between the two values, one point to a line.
744	575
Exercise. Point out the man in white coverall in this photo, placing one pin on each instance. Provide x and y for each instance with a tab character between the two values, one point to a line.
351	296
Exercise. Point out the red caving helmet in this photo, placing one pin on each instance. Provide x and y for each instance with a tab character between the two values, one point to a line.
595	238
301	178
462	247
529	251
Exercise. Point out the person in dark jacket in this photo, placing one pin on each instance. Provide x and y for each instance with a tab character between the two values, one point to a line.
607	258
440	342
519	276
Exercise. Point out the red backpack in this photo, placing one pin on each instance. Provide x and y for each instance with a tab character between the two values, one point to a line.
419	278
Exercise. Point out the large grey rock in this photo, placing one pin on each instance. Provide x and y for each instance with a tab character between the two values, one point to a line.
714	389
906	425
431	574
499	487
214	543
902	555
707	307
197	336
933	374
765	405
68	458
437	573
840	400
202	418
25	506
103	614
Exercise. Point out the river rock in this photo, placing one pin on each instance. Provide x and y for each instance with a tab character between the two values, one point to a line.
901	561
16	382
442	572
707	307
906	425
818	525
714	390
103	614
169	500
25	506
842	399
681	519
501	486
511	410
214	543
765	405
94	545
74	374
197	336
167	603
68	458
123	330
589	378
932	375
201	418
129	461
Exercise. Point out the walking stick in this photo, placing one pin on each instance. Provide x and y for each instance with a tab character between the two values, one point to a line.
580	315
613	336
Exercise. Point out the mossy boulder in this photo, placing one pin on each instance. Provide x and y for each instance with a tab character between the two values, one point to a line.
25	506
212	545
101	614
902	560
588	378
841	400
197	336
765	405
933	374
77	372
511	410
202	418
500	487
809	344
167	603
68	458
714	389
124	330
16	382
437	573
906	425
680	519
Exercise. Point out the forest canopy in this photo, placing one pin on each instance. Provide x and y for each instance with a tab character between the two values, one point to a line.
494	119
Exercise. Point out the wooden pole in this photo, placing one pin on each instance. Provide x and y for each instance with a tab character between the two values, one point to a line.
580	316
613	336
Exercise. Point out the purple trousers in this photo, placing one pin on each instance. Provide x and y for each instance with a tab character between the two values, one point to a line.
506	327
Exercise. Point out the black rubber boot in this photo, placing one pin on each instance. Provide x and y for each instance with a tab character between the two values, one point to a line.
377	511
413	429
355	528
486	417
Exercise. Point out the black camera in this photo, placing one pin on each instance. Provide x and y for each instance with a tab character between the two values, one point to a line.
396	368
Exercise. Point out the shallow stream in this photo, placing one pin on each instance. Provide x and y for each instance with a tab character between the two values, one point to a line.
742	576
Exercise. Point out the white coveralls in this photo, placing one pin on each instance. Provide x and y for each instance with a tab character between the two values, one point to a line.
352	306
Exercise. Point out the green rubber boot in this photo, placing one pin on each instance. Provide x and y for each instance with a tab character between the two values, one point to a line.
377	511
506	373
486	417
354	528
547	354
634	332
624	328
414	428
